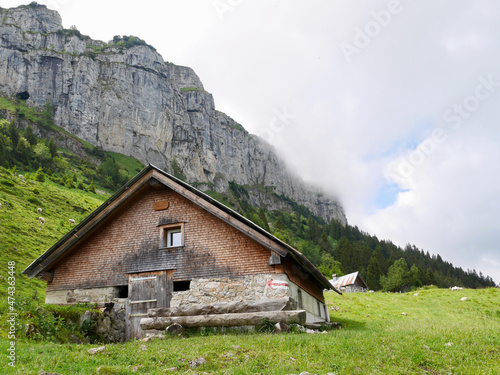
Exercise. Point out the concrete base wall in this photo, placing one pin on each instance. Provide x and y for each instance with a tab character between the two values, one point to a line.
316	311
70	296
227	290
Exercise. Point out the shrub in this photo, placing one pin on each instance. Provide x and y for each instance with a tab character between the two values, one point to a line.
6	183
34	200
42	153
48	322
266	326
39	175
69	183
91	187
34	4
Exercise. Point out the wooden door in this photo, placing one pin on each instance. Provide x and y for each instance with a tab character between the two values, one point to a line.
146	290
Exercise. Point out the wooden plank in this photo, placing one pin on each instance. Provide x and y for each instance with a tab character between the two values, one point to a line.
136	315
162	288
143	278
145	301
160	206
266	304
274	259
226	320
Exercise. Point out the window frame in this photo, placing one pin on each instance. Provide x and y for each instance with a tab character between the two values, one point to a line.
165	230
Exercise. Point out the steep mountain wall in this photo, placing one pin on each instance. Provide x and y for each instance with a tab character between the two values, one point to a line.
123	97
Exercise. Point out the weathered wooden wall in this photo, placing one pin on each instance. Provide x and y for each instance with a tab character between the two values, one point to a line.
130	243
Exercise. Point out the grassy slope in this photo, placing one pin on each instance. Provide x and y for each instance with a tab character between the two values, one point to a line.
439	335
22	237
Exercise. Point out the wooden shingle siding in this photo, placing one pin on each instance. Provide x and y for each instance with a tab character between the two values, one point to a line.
130	241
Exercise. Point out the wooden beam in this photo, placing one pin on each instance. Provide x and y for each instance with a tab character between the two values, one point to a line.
266	304
46	276
226	320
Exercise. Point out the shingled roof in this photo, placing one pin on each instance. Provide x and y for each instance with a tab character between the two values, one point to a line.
153	175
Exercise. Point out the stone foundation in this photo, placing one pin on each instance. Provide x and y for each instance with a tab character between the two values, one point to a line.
226	290
254	287
108	325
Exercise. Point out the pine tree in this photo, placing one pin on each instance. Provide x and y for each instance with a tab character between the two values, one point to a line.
52	148
262	216
344	254
13	134
23	151
48	114
30	136
279	222
324	243
373	273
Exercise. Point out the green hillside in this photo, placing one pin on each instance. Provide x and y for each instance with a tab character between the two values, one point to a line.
23	238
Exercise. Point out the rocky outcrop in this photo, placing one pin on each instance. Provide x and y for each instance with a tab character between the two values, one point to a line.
123	97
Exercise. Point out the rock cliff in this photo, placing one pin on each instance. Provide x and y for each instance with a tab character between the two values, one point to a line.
123	97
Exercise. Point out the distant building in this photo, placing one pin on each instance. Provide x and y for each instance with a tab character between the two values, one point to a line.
349	283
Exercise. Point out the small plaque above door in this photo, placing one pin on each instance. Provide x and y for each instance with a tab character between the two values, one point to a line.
160	206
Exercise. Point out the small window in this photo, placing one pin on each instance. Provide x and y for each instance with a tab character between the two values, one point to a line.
183	285
172	236
319	309
123	291
299	297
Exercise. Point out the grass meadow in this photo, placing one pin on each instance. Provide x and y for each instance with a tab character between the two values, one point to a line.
440	334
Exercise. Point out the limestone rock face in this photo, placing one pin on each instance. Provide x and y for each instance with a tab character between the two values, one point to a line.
125	98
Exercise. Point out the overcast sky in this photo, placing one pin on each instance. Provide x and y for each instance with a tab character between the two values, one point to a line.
394	106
